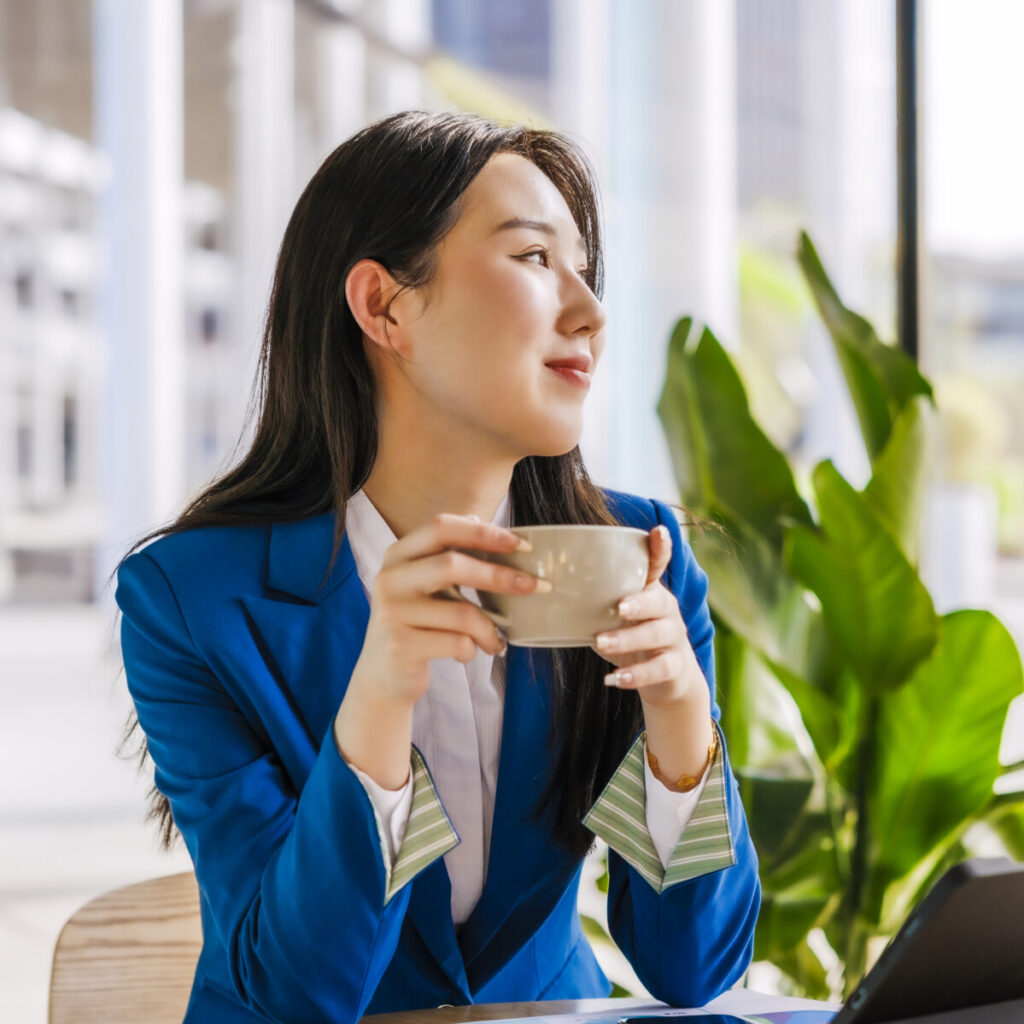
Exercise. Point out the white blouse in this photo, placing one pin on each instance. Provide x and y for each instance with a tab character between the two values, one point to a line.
457	728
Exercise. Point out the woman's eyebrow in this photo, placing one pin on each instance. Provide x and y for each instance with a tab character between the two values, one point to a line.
536	225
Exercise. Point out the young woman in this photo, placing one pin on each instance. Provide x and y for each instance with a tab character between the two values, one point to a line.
385	807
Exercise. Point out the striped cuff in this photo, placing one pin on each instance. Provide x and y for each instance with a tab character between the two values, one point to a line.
619	818
428	835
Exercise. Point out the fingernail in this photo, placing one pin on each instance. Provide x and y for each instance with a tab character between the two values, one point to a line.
627	608
524	545
543	587
476	519
607	643
618	678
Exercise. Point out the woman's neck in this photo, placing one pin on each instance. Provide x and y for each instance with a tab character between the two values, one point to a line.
408	500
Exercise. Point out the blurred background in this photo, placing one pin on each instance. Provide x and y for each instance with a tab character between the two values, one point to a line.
151	152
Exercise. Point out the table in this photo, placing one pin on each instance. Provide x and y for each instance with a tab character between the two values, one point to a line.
502	1011
735	1001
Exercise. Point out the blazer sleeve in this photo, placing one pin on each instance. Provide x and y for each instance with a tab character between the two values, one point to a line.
295	883
688	929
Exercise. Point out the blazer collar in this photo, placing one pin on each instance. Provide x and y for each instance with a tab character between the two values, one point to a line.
299	554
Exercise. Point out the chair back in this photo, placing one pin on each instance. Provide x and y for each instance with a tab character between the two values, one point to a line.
129	955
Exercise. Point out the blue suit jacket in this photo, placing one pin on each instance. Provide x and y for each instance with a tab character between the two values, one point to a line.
237	662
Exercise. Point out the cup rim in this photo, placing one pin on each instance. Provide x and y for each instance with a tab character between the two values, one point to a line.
578	526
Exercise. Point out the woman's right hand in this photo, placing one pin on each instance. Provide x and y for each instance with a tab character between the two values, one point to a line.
411	625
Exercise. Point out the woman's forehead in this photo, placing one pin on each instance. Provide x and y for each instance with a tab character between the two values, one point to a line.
511	189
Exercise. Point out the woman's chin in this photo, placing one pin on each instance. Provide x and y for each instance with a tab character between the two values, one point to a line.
553	447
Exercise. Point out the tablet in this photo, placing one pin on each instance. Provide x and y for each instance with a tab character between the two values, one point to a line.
963	945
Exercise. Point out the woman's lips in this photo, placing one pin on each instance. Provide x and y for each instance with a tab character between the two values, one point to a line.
575	377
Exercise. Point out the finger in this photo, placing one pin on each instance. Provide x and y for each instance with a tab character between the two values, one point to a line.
431	644
660	669
659	547
648	636
454	617
456	568
450	531
653	602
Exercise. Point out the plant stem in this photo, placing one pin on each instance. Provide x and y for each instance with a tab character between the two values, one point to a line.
856	945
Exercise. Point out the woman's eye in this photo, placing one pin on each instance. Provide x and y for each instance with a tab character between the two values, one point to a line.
545	260
545	256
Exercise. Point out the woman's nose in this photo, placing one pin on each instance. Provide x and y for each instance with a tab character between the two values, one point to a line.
584	311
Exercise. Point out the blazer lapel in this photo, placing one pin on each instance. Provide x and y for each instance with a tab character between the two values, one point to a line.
310	636
311	633
517	842
430	912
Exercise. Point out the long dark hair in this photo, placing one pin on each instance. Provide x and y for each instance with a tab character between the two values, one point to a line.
391	192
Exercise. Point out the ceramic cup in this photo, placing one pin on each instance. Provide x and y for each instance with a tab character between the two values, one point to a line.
590	568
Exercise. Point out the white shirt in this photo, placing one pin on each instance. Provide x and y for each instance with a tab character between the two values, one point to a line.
457	728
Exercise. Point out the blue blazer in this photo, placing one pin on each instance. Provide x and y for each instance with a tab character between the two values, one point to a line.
237	662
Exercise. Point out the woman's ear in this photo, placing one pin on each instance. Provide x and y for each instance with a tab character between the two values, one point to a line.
369	289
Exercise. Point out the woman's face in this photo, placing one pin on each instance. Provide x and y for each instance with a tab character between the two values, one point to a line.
508	298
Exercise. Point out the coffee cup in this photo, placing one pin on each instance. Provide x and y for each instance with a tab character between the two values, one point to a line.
591	568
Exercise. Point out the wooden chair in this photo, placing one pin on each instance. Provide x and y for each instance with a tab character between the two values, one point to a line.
129	955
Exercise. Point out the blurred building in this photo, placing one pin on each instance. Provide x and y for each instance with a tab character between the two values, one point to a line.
51	359
53	355
718	130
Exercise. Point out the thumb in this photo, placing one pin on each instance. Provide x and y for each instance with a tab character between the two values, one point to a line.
659	547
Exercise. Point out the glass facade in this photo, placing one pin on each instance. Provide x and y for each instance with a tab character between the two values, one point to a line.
151	152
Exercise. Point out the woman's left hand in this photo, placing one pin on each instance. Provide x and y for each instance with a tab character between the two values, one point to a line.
653	656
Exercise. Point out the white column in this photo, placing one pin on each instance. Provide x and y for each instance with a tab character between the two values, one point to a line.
397	84
671	205
138	88
265	181
581	34
848	100
342	84
580	31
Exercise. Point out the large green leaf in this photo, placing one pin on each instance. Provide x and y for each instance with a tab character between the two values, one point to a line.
1008	824
789	912
874	603
881	379
757	720
749	588
804	975
797	895
899	475
773	802
938	743
724	463
775	776
829	716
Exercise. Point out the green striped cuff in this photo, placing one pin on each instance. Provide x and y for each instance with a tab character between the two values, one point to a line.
619	817
428	835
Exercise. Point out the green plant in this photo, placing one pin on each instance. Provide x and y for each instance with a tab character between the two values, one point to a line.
863	727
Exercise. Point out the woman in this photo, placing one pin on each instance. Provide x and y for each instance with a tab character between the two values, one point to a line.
383	805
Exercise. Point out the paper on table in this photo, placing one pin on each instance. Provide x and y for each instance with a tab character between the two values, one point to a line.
756	1007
